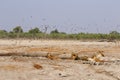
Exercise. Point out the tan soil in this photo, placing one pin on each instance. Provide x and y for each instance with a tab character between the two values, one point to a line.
17	67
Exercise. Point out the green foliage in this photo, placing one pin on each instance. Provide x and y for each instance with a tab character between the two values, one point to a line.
57	36
35	33
54	31
3	33
17	29
114	33
35	30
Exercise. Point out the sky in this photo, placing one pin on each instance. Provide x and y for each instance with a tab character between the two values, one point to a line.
70	16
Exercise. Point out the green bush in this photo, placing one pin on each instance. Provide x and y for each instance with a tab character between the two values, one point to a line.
35	33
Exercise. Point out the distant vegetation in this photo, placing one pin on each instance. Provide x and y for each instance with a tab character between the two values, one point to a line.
18	33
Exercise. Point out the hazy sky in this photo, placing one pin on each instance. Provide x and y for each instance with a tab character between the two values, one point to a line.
74	16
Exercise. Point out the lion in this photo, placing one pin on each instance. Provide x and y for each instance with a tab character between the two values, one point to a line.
74	56
49	56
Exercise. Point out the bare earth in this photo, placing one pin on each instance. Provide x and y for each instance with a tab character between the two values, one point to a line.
25	60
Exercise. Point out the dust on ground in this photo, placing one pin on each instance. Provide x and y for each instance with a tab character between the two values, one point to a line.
15	65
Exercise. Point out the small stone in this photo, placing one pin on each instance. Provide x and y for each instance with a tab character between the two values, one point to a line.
63	75
37	66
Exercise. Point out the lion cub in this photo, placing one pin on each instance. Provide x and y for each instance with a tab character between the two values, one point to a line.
49	56
74	56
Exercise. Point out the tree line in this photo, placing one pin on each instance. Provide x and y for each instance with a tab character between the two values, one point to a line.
36	33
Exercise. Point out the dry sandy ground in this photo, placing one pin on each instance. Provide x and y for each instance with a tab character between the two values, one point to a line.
25	60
